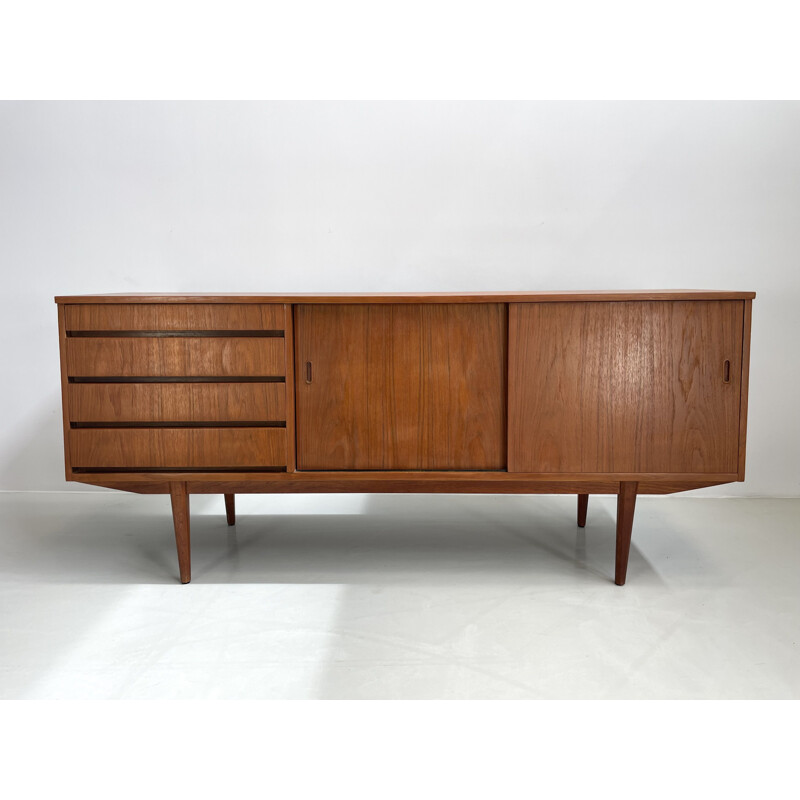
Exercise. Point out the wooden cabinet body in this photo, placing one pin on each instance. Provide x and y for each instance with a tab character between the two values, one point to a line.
619	393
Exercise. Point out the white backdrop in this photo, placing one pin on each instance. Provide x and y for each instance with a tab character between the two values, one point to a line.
162	197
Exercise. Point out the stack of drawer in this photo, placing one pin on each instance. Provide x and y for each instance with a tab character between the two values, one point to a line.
168	387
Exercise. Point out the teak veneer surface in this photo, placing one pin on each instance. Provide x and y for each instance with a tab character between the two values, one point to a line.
172	317
434	477
143	448
288	341
176	402
486	392
65	418
401	387
409	297
745	383
314	482
624	387
236	357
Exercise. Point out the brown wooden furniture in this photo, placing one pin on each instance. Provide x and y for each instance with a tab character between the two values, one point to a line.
549	392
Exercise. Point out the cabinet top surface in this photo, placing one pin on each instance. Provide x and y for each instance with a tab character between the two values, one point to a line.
411	297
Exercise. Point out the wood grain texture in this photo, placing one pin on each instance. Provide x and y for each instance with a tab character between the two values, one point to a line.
747	313
624	387
65	399
452	478
298	483
173	316
178	447
179	496
176	402
401	387
331	484
235	357
610	393
289	393
410	297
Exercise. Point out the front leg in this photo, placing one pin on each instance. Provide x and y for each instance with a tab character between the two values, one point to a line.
583	505
230	508
626	503
180	518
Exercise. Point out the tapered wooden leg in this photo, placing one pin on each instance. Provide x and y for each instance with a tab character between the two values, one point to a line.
180	517
230	508
626	503
583	504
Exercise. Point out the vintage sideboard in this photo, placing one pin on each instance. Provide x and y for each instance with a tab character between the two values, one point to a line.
525	392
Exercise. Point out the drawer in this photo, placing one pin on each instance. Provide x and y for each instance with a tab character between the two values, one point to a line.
173	402
177	448
174	317
184	356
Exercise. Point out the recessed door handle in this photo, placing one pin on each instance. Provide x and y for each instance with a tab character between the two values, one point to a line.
726	371
308	372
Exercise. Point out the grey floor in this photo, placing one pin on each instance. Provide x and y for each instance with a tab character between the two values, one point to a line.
397	597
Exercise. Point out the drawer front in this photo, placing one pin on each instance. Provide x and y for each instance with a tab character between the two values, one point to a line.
174	317
177	402
180	449
176	386
175	357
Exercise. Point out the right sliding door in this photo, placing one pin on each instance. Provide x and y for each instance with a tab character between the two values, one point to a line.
634	386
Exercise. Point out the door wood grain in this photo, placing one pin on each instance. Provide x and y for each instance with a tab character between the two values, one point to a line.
401	387
625	387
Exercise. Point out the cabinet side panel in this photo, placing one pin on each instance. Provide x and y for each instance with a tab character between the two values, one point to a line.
746	320
62	349
625	387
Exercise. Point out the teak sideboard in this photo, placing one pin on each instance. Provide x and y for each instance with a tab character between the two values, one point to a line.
527	392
